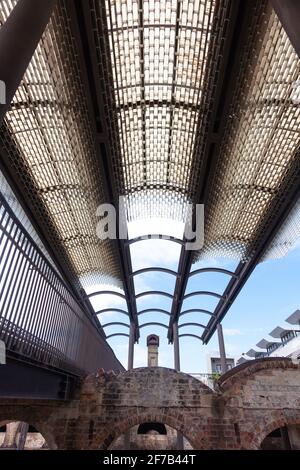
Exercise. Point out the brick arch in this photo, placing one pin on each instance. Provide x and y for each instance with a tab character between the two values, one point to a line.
145	395
144	373
197	437
272	421
249	368
41	427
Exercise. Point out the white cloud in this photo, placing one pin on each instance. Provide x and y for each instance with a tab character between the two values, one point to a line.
149	253
232	332
140	356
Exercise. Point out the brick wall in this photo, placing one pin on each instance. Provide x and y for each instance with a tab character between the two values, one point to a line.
249	402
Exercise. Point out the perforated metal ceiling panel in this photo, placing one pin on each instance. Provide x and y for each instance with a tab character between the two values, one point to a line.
154	68
259	156
48	140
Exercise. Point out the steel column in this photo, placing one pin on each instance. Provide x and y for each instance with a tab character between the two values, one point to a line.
131	346
222	348
19	37
176	347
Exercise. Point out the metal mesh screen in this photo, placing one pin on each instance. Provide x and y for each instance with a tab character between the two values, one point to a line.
153	70
49	143
258	155
287	238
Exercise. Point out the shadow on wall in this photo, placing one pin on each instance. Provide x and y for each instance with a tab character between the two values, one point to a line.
149	436
18	435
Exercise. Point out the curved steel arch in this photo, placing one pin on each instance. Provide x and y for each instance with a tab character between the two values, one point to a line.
155	268
117	310
203	292
153	323
113	323
154	237
213	270
110	292
159	310
154	292
191	324
198	310
117	334
190	335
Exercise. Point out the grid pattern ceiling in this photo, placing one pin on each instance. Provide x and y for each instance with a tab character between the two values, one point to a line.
158	53
260	148
157	70
47	137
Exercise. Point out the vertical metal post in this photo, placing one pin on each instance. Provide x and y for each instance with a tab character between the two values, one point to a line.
180	443
176	347
131	346
19	37
222	348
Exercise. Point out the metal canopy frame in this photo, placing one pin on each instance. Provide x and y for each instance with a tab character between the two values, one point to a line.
206	151
172	296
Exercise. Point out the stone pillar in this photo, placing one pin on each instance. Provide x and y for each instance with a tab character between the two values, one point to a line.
19	37
153	344
23	430
294	436
11	434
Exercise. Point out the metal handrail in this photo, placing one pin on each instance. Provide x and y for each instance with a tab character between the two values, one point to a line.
40	318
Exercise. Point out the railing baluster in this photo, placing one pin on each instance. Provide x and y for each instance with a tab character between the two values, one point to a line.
39	316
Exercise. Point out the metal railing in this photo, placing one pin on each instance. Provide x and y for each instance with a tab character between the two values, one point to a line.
39	316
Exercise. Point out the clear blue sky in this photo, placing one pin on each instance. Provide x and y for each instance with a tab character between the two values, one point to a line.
271	294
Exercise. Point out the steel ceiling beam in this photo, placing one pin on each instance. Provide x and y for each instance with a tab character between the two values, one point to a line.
117	310
190	324
197	310
154	292
106	292
212	270
203	292
288	12
82	28
154	269
154	237
158	310
232	48
117	334
153	323
19	37
114	323
190	335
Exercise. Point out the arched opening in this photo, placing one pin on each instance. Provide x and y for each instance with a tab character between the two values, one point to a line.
283	438
18	435
147	428
149	436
